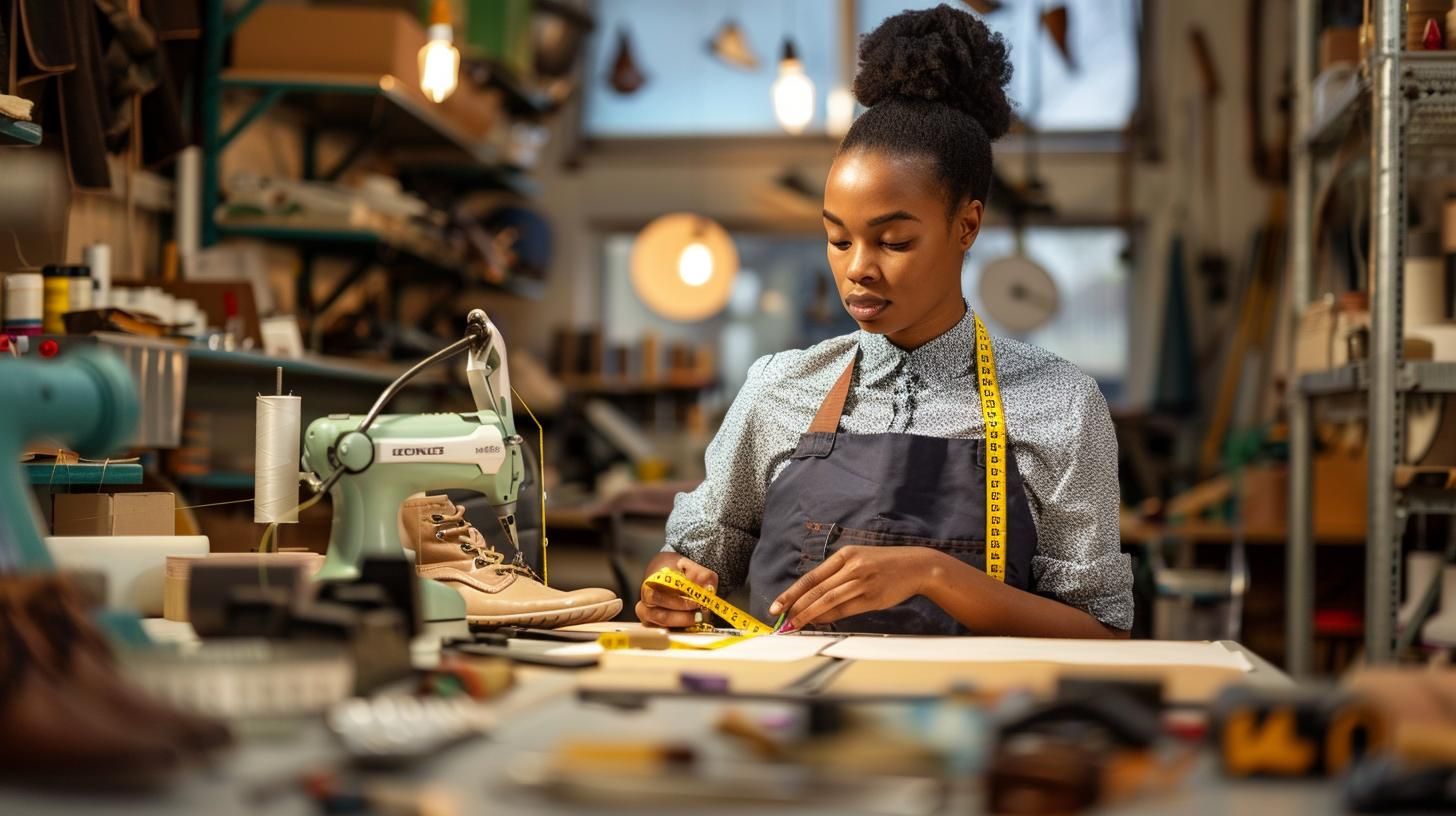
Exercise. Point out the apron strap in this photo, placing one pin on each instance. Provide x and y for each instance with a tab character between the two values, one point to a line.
827	420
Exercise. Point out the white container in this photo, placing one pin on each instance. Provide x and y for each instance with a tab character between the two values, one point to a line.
1424	300
134	566
1440	630
24	302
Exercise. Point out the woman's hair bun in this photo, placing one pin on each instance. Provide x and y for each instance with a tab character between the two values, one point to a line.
940	55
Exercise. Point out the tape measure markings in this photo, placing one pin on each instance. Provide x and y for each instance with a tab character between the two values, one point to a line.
675	581
995	453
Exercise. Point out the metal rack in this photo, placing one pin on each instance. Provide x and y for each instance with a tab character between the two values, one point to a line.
1409	102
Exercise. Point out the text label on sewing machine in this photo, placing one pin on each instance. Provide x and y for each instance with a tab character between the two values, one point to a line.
484	447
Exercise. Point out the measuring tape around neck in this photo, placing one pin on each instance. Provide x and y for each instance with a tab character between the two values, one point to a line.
995	422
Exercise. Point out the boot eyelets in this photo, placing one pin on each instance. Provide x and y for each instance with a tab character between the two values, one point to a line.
439	535
480	562
466	548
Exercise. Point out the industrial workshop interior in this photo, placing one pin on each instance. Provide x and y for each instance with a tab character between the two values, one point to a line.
432	407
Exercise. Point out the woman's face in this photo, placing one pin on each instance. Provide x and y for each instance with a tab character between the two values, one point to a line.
895	253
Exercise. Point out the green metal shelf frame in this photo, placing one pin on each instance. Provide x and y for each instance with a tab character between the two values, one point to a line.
48	474
273	88
15	133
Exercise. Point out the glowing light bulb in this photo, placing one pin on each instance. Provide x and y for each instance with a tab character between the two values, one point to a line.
793	93
695	264
439	64
839	111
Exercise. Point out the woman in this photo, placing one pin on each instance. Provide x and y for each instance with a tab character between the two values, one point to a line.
848	485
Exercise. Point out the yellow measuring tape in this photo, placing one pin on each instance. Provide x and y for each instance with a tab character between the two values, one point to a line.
995	423
674	581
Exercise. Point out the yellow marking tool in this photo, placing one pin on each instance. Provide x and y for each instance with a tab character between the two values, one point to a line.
995	423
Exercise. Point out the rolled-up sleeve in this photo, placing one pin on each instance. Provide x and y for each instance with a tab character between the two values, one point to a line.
1079	558
717	525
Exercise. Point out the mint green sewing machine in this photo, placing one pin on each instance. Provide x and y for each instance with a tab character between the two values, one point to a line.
371	464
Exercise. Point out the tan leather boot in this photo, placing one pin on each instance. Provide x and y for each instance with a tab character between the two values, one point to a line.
450	550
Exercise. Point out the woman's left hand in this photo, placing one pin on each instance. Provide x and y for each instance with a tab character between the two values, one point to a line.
855	580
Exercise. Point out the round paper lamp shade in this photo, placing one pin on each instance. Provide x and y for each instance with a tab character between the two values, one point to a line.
674	286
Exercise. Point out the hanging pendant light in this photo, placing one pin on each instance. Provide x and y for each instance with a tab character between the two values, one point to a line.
683	266
793	92
626	78
731	46
439	58
838	111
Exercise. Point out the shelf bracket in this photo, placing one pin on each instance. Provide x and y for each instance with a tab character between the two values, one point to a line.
366	140
231	26
268	100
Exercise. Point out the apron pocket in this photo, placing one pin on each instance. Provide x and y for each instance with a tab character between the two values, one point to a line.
822	539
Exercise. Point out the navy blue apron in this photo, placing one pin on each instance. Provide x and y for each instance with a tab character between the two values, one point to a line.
884	490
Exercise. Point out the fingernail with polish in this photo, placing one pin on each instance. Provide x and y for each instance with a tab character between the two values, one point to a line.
788	627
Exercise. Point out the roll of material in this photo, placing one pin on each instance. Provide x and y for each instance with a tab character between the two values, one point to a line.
134	566
98	257
275	445
1425	291
187	221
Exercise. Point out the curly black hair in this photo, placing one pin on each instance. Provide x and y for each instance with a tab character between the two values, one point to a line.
934	83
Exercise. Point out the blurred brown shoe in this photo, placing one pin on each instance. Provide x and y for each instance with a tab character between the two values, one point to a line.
58	731
81	654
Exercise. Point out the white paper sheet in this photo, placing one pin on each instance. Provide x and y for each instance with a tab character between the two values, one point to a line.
766	649
1046	650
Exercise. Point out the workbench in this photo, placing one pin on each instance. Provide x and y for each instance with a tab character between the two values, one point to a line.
541	710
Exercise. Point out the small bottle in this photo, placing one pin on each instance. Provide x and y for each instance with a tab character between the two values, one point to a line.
24	304
80	287
57	298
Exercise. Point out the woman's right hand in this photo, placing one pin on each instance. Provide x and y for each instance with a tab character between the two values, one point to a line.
660	607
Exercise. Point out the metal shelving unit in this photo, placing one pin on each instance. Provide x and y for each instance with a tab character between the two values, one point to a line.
1409	103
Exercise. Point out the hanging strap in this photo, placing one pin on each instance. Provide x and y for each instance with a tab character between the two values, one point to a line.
827	420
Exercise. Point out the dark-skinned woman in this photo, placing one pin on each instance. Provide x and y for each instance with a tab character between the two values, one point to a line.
848	485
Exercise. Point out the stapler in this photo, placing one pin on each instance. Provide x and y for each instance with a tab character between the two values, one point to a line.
370	464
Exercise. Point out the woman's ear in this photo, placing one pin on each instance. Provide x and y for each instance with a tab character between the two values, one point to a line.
967	223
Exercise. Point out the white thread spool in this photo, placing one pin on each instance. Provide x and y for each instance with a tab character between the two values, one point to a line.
275	447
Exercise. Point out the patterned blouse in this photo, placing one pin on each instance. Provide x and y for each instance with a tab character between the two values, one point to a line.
1056	418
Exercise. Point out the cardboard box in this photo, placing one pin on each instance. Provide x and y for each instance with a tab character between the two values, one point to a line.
363	42
120	514
1339	45
1339	503
331	39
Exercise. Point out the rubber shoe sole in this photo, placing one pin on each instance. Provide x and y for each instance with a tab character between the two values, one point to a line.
603	610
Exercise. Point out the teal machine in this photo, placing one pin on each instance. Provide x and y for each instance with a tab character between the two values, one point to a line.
371	464
86	400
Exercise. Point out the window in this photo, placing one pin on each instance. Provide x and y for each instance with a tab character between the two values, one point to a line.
784	298
690	93
1098	94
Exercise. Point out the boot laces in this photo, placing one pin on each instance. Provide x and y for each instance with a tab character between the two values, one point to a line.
454	528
